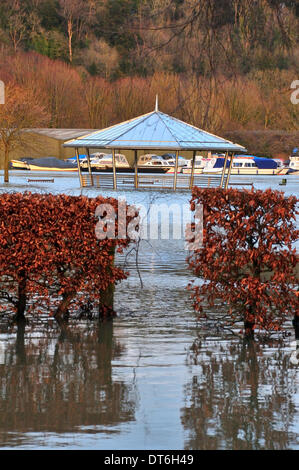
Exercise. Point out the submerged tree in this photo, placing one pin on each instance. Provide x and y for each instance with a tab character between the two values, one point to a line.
247	260
51	258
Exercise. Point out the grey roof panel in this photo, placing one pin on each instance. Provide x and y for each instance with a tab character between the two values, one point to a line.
155	130
61	134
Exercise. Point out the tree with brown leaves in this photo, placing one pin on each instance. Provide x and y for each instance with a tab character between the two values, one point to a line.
19	112
248	261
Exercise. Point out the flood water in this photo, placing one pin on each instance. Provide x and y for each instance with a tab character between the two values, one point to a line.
154	378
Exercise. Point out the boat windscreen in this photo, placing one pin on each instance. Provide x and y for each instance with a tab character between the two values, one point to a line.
220	163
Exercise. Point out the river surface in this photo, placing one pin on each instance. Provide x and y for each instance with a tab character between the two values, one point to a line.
154	378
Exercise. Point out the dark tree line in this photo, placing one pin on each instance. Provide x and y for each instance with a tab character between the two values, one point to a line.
121	37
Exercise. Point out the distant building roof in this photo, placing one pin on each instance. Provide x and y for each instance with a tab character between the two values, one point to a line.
154	131
61	134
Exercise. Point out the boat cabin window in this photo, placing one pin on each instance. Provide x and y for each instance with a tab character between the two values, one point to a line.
244	165
103	156
120	158
144	159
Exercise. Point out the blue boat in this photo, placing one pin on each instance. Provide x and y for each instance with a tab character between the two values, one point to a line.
246	165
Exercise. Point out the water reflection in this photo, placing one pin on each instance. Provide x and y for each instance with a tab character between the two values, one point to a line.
55	384
241	397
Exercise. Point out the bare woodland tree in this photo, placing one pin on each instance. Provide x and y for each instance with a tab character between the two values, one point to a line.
97	96
76	14
19	112
16	24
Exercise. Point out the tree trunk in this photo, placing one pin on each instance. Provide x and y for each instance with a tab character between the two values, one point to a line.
249	327
70	35
249	331
22	301
104	350
62	313
6	165
20	344
106	303
107	297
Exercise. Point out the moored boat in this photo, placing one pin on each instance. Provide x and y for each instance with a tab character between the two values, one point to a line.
246	165
51	164
21	164
294	162
199	164
42	164
171	158
151	163
104	162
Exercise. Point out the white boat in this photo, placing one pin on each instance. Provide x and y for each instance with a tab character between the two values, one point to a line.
104	162
246	165
151	163
199	164
171	159
294	162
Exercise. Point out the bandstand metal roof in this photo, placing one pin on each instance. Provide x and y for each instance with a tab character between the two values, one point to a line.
155	131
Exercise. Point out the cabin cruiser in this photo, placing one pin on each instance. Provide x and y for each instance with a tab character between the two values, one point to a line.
151	163
199	164
294	162
104	162
171	159
246	165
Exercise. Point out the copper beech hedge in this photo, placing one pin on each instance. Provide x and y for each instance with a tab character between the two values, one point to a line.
247	262
50	257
